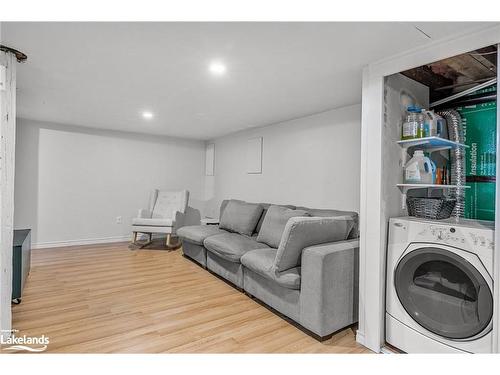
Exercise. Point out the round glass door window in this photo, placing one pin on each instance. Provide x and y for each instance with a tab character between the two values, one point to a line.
444	293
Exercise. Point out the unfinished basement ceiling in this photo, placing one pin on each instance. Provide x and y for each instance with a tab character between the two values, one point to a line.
103	75
458	73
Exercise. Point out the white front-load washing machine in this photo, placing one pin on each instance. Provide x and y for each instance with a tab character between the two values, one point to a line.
439	295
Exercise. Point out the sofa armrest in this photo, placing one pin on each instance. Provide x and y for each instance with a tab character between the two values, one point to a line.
329	286
144	214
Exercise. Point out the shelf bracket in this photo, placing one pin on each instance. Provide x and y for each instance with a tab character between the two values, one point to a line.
403	198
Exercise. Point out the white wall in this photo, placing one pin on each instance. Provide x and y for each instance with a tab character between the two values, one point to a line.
72	182
312	161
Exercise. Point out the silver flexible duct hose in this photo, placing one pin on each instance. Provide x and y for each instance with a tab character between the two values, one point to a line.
456	134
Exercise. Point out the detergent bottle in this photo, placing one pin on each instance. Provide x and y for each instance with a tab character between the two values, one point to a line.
420	169
410	124
433	124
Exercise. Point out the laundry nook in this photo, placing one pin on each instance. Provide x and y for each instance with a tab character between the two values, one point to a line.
432	226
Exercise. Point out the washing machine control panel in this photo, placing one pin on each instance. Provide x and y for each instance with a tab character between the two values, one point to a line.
455	236
481	241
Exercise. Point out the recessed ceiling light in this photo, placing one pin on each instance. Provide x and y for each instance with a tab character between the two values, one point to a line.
217	68
147	115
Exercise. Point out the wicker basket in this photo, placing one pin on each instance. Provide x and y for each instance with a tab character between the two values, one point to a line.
430	208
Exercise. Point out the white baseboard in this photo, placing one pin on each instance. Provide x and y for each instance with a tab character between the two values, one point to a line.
360	337
88	241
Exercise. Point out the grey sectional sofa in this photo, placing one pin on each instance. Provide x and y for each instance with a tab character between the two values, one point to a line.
300	261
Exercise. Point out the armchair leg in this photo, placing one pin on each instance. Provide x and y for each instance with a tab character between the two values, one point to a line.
144	244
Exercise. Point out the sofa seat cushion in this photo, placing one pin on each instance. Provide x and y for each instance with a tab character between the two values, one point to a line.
231	246
157	222
261	261
241	217
274	223
198	233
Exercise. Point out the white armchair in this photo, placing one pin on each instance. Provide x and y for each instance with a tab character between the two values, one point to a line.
165	214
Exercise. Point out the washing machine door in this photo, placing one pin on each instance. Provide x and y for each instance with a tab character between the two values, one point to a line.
444	293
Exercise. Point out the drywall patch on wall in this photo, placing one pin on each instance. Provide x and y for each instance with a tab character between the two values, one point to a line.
254	155
210	159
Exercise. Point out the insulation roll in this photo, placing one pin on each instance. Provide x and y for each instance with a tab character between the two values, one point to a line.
456	134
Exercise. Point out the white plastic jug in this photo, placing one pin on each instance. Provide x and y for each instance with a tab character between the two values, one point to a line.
419	169
433	124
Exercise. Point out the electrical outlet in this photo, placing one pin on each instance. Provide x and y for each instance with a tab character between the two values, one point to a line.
118	220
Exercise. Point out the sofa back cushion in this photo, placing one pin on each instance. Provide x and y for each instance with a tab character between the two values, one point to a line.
274	223
224	204
266	206
321	212
302	232
240	217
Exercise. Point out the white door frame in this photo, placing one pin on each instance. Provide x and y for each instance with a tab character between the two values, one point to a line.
7	166
373	217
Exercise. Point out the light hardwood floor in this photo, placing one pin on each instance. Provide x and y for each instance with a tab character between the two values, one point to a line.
109	299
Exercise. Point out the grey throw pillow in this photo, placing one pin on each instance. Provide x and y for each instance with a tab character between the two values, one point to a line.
240	217
274	224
